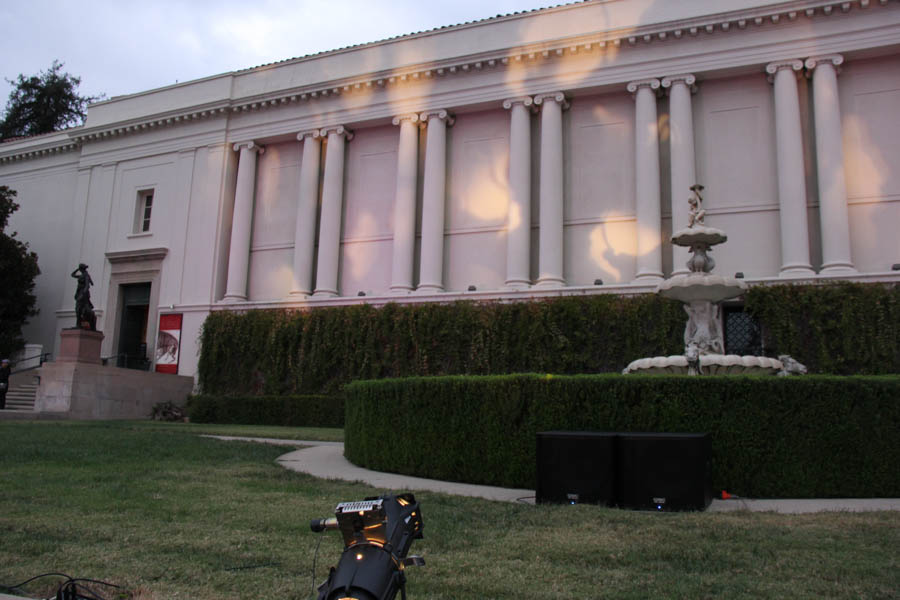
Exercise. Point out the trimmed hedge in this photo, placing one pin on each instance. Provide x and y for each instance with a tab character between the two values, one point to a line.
270	352
801	437
842	329
292	411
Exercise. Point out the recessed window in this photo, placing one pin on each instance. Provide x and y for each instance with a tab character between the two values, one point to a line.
143	210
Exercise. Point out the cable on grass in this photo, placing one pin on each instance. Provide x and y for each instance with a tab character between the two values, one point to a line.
68	589
315	557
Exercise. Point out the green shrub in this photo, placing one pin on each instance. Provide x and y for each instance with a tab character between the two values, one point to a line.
291	411
812	436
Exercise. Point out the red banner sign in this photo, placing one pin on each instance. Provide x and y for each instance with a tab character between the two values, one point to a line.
168	343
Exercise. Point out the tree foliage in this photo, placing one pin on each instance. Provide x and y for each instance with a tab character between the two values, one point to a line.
18	269
43	103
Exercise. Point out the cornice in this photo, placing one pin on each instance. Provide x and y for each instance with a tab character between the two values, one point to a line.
612	41
38	152
125	256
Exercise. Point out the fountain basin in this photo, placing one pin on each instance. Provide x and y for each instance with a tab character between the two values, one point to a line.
701	286
710	364
699	235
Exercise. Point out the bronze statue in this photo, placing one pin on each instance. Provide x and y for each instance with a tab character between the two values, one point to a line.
84	310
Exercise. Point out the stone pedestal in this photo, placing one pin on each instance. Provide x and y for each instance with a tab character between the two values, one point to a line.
80	345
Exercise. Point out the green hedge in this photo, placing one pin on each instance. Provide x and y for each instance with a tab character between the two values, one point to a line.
843	329
293	411
318	351
803	437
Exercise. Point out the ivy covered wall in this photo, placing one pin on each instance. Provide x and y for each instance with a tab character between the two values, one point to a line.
839	329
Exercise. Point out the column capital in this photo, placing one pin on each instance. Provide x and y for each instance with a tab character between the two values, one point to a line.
526	101
312	133
558	97
836	60
440	113
411	117
687	79
794	64
634	86
251	146
337	130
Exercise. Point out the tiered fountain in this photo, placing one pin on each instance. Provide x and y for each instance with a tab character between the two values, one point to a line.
701	292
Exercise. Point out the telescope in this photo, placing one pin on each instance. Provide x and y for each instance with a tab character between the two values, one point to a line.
378	533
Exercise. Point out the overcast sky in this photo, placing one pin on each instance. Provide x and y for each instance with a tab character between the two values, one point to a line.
125	46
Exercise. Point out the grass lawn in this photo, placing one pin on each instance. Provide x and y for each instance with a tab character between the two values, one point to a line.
168	514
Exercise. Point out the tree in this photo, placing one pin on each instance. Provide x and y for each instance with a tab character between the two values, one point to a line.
42	103
18	269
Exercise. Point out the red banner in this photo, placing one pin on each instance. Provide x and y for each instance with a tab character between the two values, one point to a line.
168	343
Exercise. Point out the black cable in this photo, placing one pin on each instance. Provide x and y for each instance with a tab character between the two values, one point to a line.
315	557
523	499
36	577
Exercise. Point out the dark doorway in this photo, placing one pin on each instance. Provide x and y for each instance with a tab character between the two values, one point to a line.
132	352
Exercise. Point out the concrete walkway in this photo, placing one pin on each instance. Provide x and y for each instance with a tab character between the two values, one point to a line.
326	460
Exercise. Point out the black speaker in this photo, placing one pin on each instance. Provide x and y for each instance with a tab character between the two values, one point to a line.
576	467
664	471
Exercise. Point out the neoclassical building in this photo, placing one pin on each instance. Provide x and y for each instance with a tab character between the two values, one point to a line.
519	157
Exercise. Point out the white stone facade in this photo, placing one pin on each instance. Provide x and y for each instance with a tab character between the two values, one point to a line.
527	155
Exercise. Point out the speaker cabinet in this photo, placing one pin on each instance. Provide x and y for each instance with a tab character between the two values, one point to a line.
664	471
576	467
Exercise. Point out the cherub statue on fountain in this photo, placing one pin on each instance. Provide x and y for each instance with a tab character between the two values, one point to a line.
696	213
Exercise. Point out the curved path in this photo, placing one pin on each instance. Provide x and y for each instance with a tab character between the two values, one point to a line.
326	460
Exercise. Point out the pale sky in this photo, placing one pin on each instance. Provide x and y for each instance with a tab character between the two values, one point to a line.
125	46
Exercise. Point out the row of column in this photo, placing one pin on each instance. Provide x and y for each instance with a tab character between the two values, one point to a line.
648	267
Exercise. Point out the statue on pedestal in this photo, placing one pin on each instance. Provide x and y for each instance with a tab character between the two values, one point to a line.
84	310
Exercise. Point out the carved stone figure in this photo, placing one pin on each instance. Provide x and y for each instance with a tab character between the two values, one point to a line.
696	212
790	366
692	356
84	310
702	328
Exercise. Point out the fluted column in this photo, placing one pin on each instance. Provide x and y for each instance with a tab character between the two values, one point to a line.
239	251
550	262
791	173
431	272
830	158
518	222
405	204
305	227
683	161
646	169
330	221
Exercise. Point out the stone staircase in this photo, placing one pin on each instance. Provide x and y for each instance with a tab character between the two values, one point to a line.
21	397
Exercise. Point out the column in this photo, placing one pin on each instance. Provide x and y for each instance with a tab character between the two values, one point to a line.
646	170
330	220
682	161
518	223
431	277
405	204
550	260
791	173
830	157
305	228
239	251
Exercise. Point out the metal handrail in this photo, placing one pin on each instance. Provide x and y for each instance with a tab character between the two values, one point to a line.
43	356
